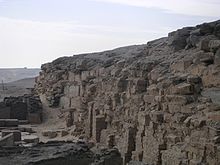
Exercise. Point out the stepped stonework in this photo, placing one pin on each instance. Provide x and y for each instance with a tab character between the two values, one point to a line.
157	103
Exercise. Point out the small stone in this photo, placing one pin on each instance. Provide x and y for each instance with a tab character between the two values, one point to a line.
64	133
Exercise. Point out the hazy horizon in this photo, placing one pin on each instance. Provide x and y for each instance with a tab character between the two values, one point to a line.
36	32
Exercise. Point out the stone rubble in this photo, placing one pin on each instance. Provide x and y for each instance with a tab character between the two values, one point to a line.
58	153
146	100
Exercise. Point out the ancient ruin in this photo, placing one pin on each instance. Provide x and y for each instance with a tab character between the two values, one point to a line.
158	104
149	100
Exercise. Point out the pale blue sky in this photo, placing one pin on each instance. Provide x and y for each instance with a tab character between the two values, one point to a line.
33	32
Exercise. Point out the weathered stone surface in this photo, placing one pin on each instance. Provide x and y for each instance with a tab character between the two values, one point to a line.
7	140
59	153
27	107
16	134
149	101
50	134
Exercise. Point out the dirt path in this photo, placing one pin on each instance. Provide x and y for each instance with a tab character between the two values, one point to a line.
53	120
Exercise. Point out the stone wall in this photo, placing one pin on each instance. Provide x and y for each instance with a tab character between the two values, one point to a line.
145	100
27	107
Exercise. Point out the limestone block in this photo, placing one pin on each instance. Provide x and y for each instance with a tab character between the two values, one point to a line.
154	75
122	85
173	139
2	123
181	65
214	45
149	98
140	86
153	90
179	117
50	134
98	125
203	57
77	77
143	119
65	102
5	112
74	91
174	156
64	133
70	119
30	139
183	89
7	140
16	134
167	117
34	118
85	75
193	79
151	149
92	89
177	39
78	103
217	57
71	76
211	78
176	99
174	108
204	45
10	122
157	117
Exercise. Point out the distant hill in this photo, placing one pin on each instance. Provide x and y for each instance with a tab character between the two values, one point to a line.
23	83
14	74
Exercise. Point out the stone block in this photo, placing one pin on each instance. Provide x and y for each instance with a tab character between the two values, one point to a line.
98	125
64	133
151	149
153	90
50	134
7	140
217	57
173	139
204	45
85	75
140	86
122	85
19	111
157	117
74	91
193	79
214	45
34	118
30	139
149	98
10	122
2	123
176	99
181	65
144	119
5	112
173	156
174	108
16	134
183	89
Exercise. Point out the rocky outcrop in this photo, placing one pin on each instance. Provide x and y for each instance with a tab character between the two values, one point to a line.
146	100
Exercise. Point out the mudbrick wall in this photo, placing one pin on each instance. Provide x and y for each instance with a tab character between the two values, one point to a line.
153	101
